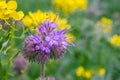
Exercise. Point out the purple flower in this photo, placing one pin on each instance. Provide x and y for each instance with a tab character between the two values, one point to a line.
19	64
48	43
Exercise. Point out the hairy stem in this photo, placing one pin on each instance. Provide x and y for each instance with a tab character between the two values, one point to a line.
42	71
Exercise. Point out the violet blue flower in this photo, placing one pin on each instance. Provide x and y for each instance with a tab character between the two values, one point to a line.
47	44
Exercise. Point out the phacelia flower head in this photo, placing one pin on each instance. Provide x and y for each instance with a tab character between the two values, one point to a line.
49	43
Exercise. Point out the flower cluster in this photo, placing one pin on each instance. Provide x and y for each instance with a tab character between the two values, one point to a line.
19	64
115	40
81	72
68	6
8	10
33	20
105	24
49	43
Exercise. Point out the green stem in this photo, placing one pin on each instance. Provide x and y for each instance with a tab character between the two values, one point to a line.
42	71
0	68
11	44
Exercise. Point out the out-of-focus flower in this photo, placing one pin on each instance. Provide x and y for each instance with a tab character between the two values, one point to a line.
80	71
101	71
115	40
49	43
33	20
105	24
19	64
8	10
68	6
88	74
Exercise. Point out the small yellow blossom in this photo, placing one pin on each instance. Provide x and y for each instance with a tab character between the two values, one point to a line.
104	24
88	74
115	40
80	71
68	6
8	10
17	15
101	71
27	21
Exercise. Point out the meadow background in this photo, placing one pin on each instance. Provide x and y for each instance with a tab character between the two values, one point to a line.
94	55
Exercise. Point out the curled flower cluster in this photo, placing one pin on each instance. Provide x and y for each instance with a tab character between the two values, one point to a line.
19	64
115	40
105	24
49	43
81	72
33	20
68	6
8	10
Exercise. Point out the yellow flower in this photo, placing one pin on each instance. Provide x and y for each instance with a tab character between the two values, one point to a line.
27	21
17	15
101	71
68	6
115	40
104	24
88	74
80	71
81	4
12	5
3	5
8	10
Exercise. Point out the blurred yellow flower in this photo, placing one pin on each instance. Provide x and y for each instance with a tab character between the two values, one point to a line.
101	71
8	10
80	71
88	74
68	6
115	40
27	21
105	24
17	15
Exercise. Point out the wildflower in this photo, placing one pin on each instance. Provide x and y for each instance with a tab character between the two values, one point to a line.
115	40
80	71
101	71
105	24
87	74
19	64
8	10
68	6
47	44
